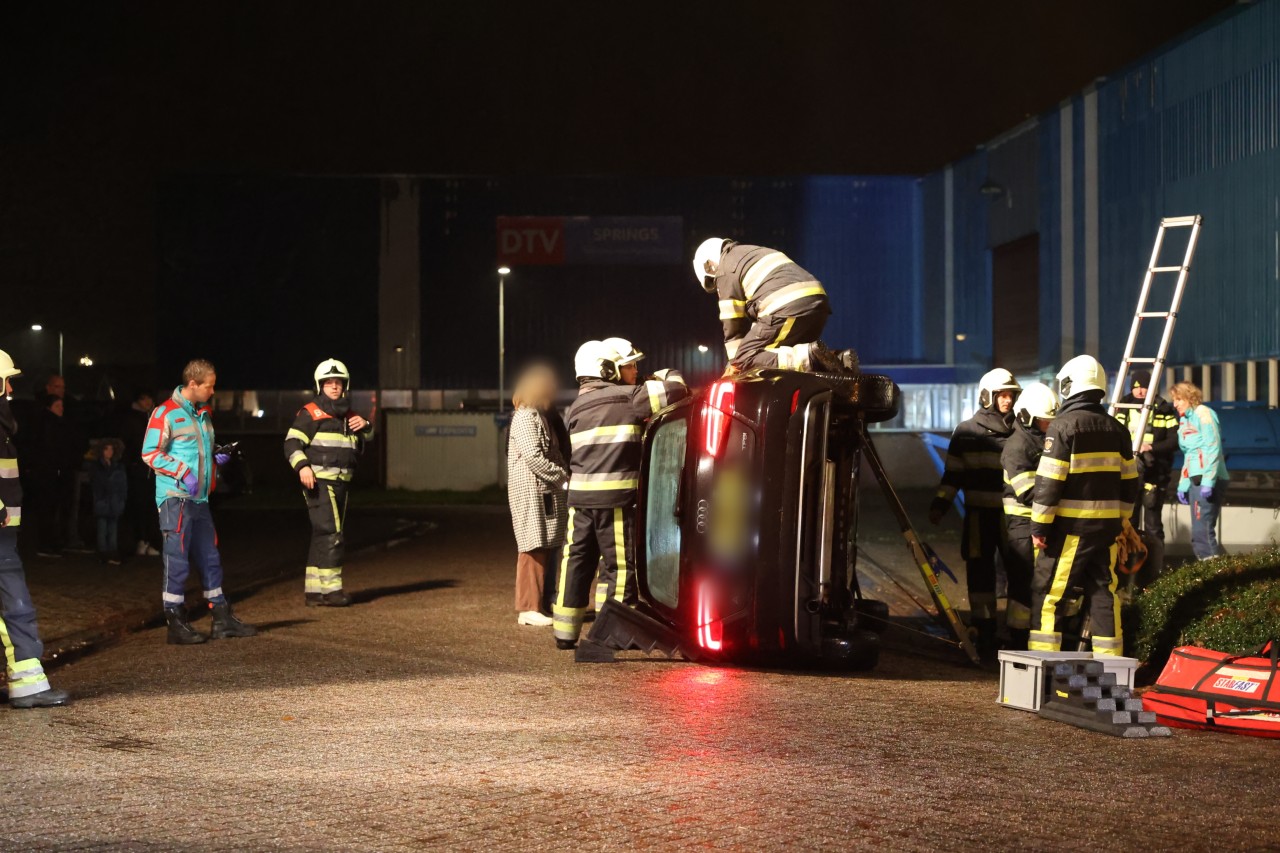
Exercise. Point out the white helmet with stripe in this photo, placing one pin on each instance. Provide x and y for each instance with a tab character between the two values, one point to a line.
1080	374
7	367
705	261
331	368
596	360
992	383
626	352
1037	400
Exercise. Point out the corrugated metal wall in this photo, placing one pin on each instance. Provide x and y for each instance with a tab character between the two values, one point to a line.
1192	129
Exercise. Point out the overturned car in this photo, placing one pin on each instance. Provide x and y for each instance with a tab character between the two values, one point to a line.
746	525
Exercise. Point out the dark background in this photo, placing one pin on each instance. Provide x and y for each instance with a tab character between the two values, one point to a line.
109	110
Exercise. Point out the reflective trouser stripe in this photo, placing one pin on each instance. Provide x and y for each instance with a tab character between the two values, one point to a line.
320	580
337	516
1018	615
620	548
1047	638
787	295
1112	644
15	516
566	622
25	676
782	335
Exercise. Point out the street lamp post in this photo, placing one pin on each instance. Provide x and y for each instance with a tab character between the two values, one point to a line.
36	327
503	272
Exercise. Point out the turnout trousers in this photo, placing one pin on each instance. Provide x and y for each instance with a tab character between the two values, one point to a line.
759	347
1069	561
187	527
1019	567
18	633
595	536
984	537
327	507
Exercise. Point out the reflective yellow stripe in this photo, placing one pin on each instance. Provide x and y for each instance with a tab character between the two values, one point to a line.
732	309
297	456
1093	463
1129	469
1042	514
1094	509
731	347
8	469
620	553
602	485
782	335
1054	469
9	658
1012	507
335	441
337	516
564	562
1061	574
297	434
761	270
787	295
606	434
657	396
342	475
1022	483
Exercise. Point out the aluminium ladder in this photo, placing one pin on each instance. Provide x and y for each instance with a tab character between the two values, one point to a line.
1170	317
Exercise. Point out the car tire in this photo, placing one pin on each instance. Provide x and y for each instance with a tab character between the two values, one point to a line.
876	397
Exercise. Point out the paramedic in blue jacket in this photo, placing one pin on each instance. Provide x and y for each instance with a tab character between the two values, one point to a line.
1204	470
179	447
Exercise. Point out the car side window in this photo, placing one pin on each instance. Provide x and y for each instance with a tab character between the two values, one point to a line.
662	534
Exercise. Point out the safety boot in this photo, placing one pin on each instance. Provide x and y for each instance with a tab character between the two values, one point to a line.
328	599
180	631
566	645
225	624
823	359
44	699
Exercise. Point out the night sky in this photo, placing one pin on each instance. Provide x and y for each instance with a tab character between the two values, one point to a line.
101	103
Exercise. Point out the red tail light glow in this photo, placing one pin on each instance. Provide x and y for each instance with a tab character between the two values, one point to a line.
710	629
716	415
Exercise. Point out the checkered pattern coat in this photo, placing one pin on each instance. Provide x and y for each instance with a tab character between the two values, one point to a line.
536	474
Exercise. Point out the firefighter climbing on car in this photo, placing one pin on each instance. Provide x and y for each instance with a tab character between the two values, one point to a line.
1086	484
973	466
606	423
322	447
772	310
1035	407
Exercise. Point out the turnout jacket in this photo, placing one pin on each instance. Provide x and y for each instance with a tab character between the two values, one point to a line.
1161	433
973	462
1087	479
606	423
10	485
754	282
179	439
1019	459
321	439
1201	443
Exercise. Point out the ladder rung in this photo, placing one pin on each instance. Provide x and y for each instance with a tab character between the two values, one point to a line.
1167	269
1128	405
1155	314
1179	221
1141	360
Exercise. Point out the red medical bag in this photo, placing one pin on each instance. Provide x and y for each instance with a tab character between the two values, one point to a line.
1204	689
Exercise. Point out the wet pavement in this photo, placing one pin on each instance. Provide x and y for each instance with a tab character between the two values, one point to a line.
423	717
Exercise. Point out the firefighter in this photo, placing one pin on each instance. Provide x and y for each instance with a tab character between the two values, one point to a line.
1155	452
1086	484
179	447
28	685
772	310
322	447
1035	407
606	423
973	466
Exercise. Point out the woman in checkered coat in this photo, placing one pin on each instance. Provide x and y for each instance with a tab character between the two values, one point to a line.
537	470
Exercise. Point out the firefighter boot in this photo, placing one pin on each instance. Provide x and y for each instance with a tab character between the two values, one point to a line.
180	631
328	599
44	699
823	359
225	624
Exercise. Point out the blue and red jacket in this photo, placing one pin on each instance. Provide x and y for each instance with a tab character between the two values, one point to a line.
180	439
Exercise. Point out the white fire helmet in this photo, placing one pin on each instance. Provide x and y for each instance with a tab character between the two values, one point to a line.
708	253
1037	400
992	383
626	352
1080	374
331	368
596	360
7	368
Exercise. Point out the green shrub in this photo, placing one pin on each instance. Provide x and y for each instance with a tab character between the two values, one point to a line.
1231	604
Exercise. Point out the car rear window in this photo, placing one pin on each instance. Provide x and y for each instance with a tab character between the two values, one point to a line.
662	536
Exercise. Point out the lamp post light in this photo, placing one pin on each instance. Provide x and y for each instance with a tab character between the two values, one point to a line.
36	327
503	272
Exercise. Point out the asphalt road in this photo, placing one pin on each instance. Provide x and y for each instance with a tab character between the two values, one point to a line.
424	717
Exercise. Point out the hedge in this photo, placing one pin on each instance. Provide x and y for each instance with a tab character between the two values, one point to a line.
1229	603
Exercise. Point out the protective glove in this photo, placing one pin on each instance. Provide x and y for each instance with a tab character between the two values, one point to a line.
191	483
669	374
221	458
1206	493
1184	498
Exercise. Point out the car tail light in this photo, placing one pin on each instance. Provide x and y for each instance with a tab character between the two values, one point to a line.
710	629
716	415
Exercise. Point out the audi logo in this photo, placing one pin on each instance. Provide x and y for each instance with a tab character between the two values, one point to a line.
704	510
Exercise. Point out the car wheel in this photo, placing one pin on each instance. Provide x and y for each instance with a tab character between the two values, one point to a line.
876	397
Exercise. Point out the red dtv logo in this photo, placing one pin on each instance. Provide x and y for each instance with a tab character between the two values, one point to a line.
531	240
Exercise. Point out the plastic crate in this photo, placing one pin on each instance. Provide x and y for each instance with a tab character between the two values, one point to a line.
1024	676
